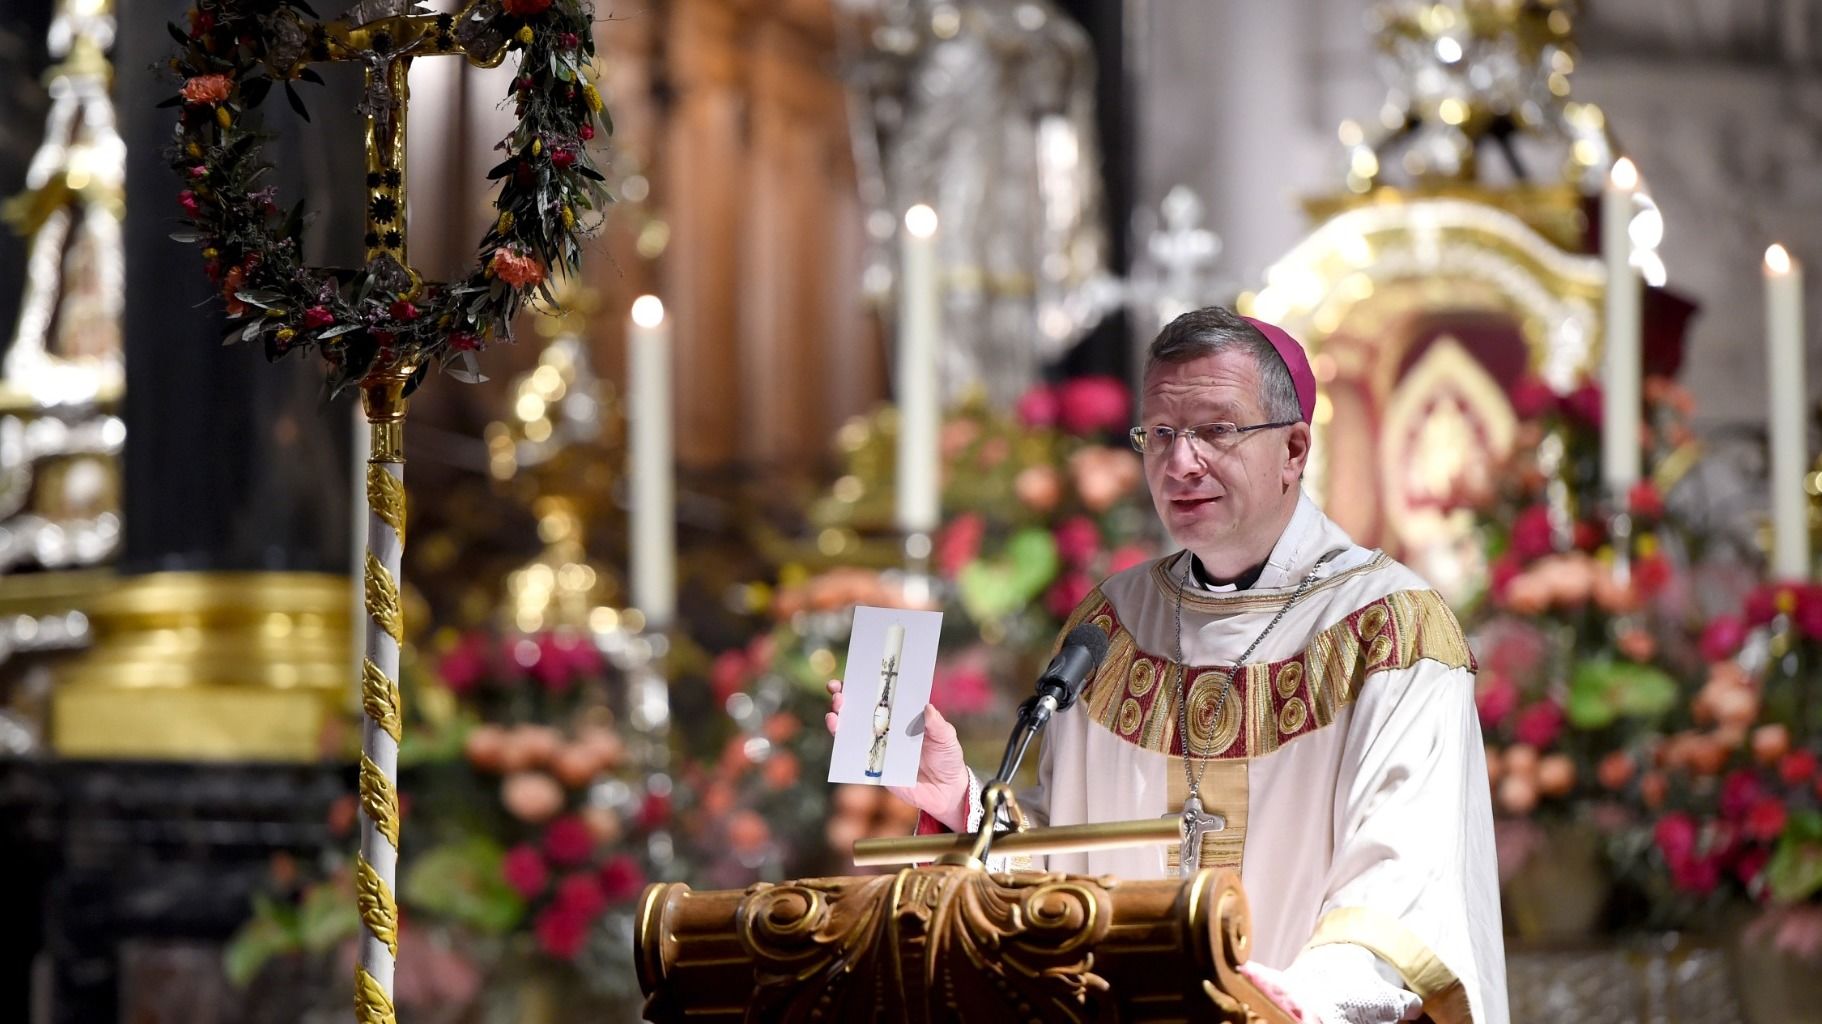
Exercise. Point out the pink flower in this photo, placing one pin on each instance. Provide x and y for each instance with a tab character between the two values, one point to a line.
581	895
561	933
1532	535
964	689
463	668
1089	405
464	341
1650	575
1496	700
1069	590
562	157
1124	558
567	841
1675	835
1762	605
728	675
199	171
1722	638
1584	403
317	316
654	810
1078	540
187	200
1696	874
516	268
562	659
1645	501
1501	573
1750	865
621	879
1808	618
1539	725
524	870
1038	407
586	132
959	543
1532	398
1765	822
207	89
1797	767
402	309
1740	791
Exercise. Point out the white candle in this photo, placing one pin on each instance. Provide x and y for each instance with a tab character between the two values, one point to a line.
919	308
1788	426
1620	383
654	540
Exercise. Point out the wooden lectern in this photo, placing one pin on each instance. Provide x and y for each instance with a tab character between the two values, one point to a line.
953	942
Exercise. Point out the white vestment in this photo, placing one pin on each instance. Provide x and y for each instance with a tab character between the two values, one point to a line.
1346	759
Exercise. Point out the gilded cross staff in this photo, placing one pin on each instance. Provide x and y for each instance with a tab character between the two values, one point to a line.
380	36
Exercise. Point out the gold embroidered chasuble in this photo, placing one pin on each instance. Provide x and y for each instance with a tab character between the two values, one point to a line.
1346	758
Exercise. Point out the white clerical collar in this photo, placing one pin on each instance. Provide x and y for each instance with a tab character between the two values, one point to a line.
1284	567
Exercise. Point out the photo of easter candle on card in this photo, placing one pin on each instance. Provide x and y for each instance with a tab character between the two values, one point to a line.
891	661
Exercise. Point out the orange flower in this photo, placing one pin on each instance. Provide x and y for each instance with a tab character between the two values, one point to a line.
207	89
521	270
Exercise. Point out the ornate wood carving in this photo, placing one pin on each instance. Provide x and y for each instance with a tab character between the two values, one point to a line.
946	943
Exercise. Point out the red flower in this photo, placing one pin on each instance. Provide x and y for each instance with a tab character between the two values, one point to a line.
1650	575
1496	699
1740	791
1539	725
402	309
1797	767
1126	557
728	675
562	157
1722	638
1584	403
621	879
1587	536
567	841
580	894
463	341
1750	865
1070	590
1037	407
1696	874
654	811
1089	405
1645	501
524	870
586	132
1532	398
1765	822
959	543
1675	835
525	8
1808	618
463	668
207	89
187	200
200	21
569	40
1532	535
317	316
1501	573
1078	540
199	171
560	932
962	689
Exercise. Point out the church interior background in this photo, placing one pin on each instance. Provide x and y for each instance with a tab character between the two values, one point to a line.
621	601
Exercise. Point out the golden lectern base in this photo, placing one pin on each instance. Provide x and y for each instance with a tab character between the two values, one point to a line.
947	943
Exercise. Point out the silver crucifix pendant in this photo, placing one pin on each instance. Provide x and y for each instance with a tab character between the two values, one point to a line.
1196	825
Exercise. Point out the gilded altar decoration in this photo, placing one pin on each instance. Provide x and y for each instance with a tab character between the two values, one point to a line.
941	943
382	316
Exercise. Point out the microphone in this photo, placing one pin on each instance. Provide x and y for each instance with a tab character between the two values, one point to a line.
1075	663
1058	687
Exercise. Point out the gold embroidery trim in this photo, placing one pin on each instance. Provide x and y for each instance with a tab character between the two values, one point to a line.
1224	792
383	600
370	1003
380	699
1272	702
380	800
1445	998
378	909
386	498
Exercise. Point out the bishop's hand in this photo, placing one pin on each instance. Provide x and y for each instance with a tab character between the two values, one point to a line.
942	774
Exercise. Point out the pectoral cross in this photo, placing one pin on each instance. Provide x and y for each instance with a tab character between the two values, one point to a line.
1196	826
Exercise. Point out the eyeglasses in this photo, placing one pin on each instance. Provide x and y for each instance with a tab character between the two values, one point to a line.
1214	436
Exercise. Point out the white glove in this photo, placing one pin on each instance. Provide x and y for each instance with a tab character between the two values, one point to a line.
1335	984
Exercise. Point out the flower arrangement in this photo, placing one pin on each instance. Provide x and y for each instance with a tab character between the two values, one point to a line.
381	316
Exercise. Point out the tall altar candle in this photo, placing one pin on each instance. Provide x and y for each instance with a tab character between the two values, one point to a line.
1789	426
654	538
1620	369
919	491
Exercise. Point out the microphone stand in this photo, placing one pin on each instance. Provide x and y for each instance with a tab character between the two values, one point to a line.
1034	714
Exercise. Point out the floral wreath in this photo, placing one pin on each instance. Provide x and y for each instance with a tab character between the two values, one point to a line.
381	318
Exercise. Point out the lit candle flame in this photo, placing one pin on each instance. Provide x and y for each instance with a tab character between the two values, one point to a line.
648	311
1777	260
920	220
1624	175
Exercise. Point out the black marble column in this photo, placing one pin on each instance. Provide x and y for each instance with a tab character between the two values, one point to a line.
231	463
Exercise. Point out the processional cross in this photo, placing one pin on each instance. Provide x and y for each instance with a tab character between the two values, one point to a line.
383	37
